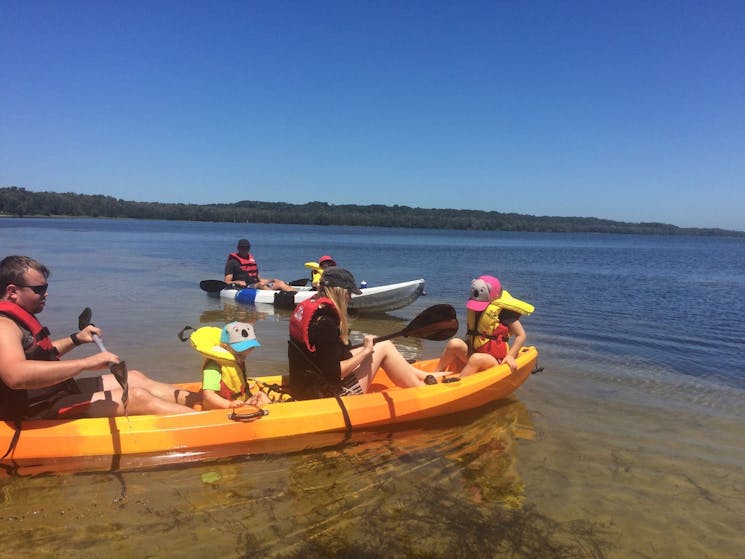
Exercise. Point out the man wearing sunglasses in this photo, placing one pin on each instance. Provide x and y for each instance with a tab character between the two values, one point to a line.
36	384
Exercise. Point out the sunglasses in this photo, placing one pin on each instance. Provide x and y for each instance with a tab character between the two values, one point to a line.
38	289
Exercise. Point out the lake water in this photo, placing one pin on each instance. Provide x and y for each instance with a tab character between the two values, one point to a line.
628	444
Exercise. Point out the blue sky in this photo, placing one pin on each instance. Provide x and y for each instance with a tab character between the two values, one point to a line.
633	111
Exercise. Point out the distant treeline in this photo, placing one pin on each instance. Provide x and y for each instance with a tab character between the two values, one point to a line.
20	202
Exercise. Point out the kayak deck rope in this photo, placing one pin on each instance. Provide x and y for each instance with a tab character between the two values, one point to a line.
276	392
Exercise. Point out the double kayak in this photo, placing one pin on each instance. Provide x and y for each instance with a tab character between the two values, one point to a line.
380	298
250	430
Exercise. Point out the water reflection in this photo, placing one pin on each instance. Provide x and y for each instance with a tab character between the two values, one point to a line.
445	488
230	313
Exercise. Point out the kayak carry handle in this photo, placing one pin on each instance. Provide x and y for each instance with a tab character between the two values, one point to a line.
248	416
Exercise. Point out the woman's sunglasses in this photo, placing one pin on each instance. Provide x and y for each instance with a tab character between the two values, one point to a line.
38	289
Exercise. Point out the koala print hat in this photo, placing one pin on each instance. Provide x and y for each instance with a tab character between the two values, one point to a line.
483	290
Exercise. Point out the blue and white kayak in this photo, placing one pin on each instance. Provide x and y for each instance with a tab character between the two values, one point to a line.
381	298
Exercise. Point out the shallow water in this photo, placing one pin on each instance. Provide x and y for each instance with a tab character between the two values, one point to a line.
628	444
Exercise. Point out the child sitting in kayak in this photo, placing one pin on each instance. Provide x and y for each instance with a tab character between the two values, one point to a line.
317	269
224	370
493	318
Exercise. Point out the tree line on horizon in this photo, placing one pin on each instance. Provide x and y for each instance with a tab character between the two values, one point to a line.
17	201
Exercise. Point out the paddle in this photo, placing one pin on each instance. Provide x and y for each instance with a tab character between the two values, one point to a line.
215	286
436	323
119	370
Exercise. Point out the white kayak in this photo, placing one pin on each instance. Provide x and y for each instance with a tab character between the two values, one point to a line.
380	298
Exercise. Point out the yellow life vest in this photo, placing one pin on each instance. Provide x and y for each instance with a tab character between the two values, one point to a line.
484	327
315	273
206	340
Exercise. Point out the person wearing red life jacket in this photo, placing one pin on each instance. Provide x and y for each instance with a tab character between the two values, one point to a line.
321	362
241	270
36	384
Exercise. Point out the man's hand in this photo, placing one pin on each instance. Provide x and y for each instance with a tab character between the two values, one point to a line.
100	360
86	334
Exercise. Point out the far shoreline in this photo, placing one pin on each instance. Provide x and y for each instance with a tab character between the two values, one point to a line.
17	202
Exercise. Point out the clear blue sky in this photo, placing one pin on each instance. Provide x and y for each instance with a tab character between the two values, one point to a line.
629	110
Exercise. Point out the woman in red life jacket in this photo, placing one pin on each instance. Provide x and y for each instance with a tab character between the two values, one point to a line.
241	270
322	364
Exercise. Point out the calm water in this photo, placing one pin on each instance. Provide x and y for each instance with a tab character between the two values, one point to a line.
627	445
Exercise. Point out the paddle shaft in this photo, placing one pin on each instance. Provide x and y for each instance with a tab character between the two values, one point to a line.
97	340
215	286
381	338
119	370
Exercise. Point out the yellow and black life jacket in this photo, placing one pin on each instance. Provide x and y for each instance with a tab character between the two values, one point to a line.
206	340
486	334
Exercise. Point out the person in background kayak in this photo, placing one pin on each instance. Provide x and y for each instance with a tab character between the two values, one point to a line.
224	373
493	317
324	262
36	384
322	364
241	270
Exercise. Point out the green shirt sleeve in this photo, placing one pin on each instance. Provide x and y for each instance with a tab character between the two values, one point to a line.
211	376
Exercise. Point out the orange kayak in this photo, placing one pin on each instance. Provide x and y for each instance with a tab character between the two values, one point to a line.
385	404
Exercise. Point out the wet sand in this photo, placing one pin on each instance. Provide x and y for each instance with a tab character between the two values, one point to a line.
652	471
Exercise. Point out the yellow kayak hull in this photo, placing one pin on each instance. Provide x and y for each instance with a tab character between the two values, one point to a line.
384	405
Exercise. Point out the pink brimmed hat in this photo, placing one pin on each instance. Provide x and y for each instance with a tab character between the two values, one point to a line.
483	290
326	258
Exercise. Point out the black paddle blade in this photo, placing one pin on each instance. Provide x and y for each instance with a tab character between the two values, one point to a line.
299	282
436	323
119	370
85	318
212	286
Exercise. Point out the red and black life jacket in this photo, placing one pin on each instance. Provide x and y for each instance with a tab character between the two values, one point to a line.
309	379
303	315
37	343
37	346
249	268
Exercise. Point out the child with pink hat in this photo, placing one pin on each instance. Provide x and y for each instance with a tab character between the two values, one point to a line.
493	319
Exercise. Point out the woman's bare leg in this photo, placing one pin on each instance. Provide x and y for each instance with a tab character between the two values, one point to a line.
387	357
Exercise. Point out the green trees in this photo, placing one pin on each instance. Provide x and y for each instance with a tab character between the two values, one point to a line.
15	201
